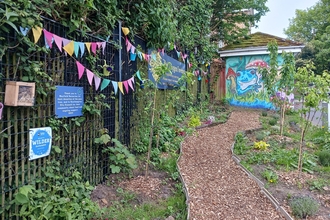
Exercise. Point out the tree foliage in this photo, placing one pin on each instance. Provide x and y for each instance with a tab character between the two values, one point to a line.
190	24
312	26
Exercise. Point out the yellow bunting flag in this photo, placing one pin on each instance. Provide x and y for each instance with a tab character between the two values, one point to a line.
125	30
88	45
69	48
120	86
36	33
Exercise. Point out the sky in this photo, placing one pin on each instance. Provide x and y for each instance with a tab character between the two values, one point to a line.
278	16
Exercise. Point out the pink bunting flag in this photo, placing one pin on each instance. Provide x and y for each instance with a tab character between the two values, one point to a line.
163	51
49	38
147	57
90	76
126	85
132	79
128	45
174	47
99	45
184	56
103	46
81	69
132	49
97	81
94	47
58	41
130	83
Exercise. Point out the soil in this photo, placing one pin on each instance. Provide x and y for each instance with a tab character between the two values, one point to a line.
216	186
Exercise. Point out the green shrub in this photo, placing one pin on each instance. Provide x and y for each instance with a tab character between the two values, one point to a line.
324	158
304	206
260	136
194	121
272	121
264	113
270	176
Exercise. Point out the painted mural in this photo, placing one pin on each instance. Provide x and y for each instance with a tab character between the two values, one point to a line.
244	83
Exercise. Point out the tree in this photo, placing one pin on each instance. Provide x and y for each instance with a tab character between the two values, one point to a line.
312	26
312	97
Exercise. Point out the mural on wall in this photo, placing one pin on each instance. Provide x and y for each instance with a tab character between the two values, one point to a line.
244	82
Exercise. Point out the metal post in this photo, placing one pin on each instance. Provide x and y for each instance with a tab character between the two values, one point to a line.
120	79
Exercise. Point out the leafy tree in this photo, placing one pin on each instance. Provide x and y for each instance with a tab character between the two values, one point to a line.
312	97
312	26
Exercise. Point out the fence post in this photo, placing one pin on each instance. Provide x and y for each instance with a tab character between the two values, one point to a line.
120	100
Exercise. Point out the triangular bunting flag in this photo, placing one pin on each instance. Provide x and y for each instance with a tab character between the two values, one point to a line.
126	85
103	46
88	45
163	51
65	41
105	83
185	56
128	45
153	56
99	45
132	79
82	48
178	53
120	86
125	30
69	48
76	47
139	55
97	81
94	47
48	38
58	41
132	49
36	33
24	31
115	86
90	76
130	83
138	75
81	69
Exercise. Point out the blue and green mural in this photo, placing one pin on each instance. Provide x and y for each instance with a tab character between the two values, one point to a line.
244	83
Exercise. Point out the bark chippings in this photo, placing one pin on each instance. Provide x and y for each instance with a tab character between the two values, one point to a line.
217	187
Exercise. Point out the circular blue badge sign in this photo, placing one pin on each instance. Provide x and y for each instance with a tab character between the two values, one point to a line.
40	142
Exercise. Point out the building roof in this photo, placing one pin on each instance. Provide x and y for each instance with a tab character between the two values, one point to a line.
256	44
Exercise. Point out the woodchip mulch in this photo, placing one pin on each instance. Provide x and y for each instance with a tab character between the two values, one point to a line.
217	187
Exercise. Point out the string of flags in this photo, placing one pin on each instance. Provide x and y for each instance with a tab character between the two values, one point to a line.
75	48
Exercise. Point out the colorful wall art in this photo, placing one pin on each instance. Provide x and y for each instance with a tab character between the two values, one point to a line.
244	84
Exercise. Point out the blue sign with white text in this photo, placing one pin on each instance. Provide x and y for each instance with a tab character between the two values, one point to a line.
69	101
170	80
40	142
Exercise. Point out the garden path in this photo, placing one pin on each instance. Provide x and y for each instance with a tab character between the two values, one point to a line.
217	187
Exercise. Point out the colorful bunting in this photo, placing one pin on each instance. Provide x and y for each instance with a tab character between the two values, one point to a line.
138	75
48	38
125	30
36	33
115	86
88	45
82	48
24	31
94	47
76	47
69	48
126	85
105	83
120	86
90	76
81	69
58	41
130	83
97	81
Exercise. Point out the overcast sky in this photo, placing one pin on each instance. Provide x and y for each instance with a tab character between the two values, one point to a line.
278	16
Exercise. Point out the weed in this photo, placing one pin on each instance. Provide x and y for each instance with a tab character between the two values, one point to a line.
261	145
270	176
304	206
324	158
272	121
260	136
264	113
317	184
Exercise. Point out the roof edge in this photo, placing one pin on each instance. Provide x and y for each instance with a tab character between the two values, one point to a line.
258	51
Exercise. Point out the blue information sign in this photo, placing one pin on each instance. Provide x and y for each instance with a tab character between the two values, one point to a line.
69	101
40	142
169	81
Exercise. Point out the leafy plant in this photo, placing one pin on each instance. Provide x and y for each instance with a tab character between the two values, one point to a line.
272	122
270	176
324	157
303	206
120	159
240	146
260	136
60	197
317	184
261	145
194	121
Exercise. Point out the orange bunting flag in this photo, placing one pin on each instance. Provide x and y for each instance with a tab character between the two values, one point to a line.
36	33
